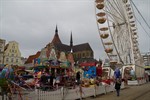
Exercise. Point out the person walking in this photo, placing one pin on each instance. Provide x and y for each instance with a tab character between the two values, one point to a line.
117	73
117	86
78	77
52	77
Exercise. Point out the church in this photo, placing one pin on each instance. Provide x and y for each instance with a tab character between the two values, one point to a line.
81	52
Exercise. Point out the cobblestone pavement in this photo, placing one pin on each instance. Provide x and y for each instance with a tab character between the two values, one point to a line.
141	92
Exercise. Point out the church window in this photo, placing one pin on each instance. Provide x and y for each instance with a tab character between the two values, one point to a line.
83	55
87	54
91	54
78	55
74	55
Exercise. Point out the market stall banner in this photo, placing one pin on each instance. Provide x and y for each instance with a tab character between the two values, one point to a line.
37	61
90	72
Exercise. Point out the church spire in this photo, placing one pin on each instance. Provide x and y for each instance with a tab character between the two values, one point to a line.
71	43
56	30
56	39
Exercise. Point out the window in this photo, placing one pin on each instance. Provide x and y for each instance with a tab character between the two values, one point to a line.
16	60
74	56
87	54
91	54
13	47
12	55
12	50
12	60
83	55
7	59
79	55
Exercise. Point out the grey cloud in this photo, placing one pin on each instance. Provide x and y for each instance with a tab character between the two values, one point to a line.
32	23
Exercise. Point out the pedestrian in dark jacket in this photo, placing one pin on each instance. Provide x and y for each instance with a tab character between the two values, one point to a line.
117	86
78	77
52	77
43	79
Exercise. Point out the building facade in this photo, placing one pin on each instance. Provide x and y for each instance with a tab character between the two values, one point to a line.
2	46
12	54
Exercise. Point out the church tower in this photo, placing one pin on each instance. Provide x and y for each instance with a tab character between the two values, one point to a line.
71	43
56	39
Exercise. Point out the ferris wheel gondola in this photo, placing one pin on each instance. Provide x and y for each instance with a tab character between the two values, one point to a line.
118	31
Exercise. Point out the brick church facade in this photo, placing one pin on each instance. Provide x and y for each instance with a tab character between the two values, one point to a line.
79	51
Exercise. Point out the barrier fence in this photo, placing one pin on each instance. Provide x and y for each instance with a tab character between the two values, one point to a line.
66	94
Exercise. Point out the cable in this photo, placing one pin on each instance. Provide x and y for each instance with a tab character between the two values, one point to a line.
140	14
142	27
143	19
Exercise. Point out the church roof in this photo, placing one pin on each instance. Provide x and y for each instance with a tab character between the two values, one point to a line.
63	47
82	47
76	48
67	48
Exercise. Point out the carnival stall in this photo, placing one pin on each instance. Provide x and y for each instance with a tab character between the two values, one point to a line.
57	68
91	74
133	75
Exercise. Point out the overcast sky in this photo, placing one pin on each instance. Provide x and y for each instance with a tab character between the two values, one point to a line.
32	23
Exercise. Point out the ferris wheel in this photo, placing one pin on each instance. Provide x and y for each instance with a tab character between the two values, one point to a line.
118	31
